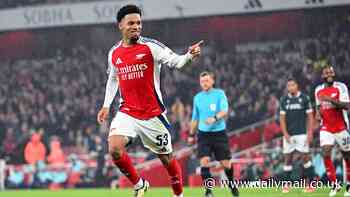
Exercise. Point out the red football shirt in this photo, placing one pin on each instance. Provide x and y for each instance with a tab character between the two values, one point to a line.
333	120
137	69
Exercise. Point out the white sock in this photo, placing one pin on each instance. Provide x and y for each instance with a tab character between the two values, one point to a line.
181	195
139	184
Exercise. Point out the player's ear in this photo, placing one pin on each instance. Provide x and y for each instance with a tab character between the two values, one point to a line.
120	25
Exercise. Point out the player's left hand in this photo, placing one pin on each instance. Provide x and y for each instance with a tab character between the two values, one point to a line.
210	120
102	115
195	50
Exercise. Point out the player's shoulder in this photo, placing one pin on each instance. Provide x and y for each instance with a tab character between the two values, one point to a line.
283	98
306	98
114	47
319	87
340	85
304	95
151	41
112	50
219	91
198	95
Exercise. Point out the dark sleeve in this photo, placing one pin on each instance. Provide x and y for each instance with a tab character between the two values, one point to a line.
282	108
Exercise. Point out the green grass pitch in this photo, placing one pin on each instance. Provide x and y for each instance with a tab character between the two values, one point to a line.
161	192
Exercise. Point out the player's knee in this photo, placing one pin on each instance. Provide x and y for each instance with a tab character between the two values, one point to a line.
288	159
306	158
204	162
115	152
116	146
226	164
326	151
165	159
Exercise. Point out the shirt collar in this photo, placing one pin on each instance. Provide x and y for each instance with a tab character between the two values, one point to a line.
291	96
209	91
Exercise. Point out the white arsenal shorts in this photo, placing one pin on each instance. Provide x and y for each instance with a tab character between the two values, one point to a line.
342	139
154	133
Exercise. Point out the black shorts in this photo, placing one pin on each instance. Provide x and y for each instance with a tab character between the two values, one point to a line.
213	143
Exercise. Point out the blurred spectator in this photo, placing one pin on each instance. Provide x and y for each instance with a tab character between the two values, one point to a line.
192	163
56	155
272	105
74	176
35	150
9	144
178	110
98	153
89	139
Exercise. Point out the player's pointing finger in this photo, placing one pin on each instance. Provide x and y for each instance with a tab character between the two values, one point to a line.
199	43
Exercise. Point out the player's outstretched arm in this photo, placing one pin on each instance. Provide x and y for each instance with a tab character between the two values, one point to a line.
168	57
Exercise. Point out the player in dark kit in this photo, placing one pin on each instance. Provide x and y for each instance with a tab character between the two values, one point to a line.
296	120
134	66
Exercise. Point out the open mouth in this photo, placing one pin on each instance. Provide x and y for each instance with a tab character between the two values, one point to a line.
134	32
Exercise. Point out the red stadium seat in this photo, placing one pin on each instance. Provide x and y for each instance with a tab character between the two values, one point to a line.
194	180
270	131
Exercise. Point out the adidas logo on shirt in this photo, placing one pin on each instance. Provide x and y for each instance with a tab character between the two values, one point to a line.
119	61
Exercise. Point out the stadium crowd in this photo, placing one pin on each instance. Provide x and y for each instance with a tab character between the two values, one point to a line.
60	95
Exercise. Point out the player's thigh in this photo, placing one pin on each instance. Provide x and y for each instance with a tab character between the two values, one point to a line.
203	146
155	134
301	144
123	125
327	139
204	161
306	157
288	147
343	140
288	158
327	150
220	146
226	163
